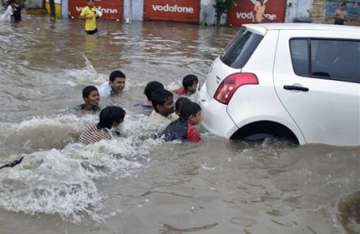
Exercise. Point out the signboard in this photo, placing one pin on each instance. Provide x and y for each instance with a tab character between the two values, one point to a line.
256	11
111	9
172	10
352	8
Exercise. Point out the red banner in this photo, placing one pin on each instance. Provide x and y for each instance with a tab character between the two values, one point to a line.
111	9
172	10
256	11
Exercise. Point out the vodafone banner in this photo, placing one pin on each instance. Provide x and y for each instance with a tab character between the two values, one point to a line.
172	10
256	11
111	9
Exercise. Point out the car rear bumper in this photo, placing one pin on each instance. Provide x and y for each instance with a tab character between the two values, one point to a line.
215	117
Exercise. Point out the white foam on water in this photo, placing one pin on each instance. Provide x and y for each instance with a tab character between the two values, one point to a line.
63	181
88	75
85	76
45	132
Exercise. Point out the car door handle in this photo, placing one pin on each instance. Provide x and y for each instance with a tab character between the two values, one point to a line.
297	88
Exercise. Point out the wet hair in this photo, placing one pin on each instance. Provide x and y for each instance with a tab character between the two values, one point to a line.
188	110
180	102
151	87
160	96
110	115
116	74
189	80
87	90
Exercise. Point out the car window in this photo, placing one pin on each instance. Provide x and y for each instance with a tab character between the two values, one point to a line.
336	60
330	59
300	56
238	52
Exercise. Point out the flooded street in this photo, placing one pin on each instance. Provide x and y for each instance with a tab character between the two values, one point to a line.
135	184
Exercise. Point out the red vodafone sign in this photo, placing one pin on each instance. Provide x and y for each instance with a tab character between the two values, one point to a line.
256	11
111	9
172	10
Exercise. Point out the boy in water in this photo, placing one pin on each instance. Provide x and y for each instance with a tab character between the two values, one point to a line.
110	117
114	86
149	88
184	128
190	83
163	104
89	13
91	98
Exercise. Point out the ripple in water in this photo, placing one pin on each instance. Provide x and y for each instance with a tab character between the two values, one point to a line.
349	213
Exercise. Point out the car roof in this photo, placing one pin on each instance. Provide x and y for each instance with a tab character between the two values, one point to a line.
263	28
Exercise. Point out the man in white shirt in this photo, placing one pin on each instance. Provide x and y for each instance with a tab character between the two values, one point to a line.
163	103
114	86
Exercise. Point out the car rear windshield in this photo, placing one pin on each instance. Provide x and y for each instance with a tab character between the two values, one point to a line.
238	52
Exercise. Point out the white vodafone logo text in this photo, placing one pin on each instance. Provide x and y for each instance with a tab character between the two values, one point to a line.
101	9
250	16
175	8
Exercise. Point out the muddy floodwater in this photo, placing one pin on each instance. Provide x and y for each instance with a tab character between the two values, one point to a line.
135	184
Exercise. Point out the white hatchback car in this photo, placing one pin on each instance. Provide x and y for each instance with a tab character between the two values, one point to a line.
299	81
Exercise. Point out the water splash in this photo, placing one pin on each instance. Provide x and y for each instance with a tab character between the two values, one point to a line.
349	213
44	132
85	76
63	181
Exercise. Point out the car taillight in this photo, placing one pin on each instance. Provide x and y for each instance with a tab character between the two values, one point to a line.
231	83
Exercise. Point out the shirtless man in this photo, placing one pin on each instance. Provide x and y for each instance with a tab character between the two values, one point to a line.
340	14
259	10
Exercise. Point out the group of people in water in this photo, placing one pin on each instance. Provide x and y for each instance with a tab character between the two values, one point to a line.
178	119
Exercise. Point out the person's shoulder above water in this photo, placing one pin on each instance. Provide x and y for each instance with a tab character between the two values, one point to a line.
114	86
82	107
110	118
193	134
155	116
175	131
92	134
105	89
